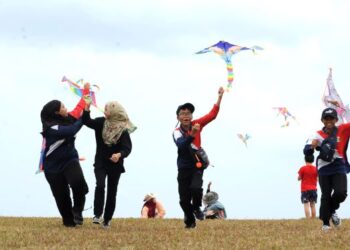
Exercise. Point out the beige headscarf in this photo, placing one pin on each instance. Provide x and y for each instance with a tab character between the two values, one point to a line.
116	123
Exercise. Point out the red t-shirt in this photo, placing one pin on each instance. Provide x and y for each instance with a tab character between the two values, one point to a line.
308	176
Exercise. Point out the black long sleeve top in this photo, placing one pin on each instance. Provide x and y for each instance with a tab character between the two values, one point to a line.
104	151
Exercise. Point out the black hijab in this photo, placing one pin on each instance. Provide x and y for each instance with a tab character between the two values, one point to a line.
49	117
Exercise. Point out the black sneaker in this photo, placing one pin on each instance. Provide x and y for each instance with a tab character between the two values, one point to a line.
190	226
78	218
199	214
69	224
336	220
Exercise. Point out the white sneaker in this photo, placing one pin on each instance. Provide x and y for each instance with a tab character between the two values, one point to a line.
97	220
336	220
326	228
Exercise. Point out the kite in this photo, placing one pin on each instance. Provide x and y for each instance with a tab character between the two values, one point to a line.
77	90
226	50
42	155
286	114
244	138
332	99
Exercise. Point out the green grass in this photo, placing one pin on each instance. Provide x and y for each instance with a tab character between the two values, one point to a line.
48	233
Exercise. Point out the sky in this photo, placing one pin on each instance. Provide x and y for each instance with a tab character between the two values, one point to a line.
141	53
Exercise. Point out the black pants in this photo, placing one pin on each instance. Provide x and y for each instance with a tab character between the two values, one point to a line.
190	189
113	176
72	176
334	192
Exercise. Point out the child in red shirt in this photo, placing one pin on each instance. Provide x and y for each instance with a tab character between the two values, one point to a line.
307	174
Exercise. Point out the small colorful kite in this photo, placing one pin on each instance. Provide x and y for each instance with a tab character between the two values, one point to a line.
332	99
76	89
42	155
286	114
226	50
244	138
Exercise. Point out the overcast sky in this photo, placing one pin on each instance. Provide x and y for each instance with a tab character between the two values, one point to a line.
141	53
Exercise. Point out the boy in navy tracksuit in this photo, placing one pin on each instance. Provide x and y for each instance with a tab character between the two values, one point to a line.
187	138
332	165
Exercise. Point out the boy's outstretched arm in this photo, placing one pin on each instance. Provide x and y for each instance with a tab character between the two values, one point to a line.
221	92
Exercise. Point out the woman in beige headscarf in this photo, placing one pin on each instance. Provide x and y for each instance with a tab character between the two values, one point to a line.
113	144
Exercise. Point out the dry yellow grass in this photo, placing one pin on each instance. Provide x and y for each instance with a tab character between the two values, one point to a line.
48	233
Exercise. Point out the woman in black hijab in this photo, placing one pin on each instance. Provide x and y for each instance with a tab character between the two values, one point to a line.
61	161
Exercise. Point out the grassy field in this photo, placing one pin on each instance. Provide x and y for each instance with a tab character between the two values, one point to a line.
48	233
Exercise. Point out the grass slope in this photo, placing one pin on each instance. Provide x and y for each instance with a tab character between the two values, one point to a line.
48	233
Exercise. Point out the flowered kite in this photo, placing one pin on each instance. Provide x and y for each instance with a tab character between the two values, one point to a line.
244	138
332	99
76	89
286	114
226	50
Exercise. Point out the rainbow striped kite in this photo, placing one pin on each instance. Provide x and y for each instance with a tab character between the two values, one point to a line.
225	50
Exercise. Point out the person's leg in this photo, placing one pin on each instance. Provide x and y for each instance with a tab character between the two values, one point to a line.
196	188
113	177
326	190
307	209
184	178
313	209
197	192
75	178
99	200
339	184
60	191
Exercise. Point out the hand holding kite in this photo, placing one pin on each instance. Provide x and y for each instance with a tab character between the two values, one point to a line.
77	90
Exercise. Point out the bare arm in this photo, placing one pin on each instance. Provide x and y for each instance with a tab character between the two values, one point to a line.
221	92
160	210
144	212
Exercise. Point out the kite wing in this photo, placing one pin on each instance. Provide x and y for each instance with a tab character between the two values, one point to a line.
225	50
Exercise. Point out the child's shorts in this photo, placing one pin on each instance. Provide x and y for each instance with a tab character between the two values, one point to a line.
309	196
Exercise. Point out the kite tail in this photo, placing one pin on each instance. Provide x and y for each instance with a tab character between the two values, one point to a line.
230	76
